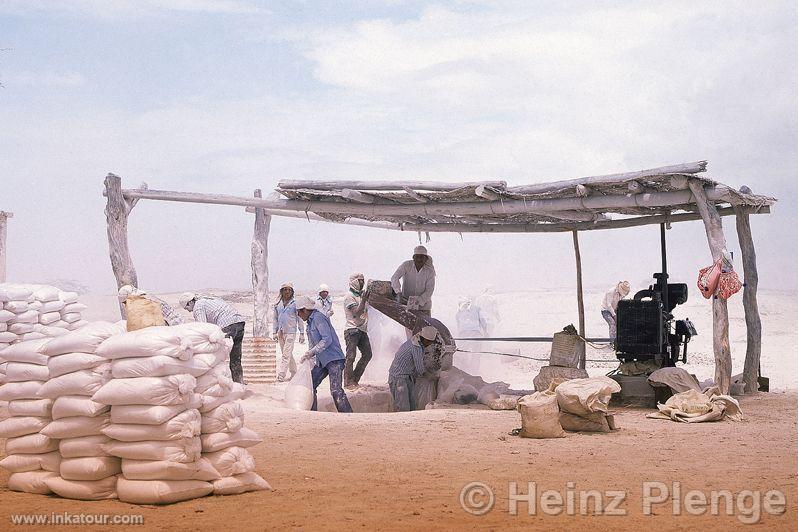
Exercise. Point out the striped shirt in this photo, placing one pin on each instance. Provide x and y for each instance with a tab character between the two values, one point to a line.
216	311
409	360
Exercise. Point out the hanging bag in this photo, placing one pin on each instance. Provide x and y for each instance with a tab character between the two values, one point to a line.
299	393
708	279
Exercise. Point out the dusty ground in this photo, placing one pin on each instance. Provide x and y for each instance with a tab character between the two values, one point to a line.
399	471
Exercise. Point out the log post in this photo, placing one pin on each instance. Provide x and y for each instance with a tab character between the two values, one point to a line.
4	216
260	271
753	323
720	311
580	300
117	210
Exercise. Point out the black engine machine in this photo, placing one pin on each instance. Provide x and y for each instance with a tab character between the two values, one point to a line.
646	328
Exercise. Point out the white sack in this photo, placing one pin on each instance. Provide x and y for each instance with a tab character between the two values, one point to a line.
20	390
13	292
17	307
33	335
162	365
77	405
161	491
68	297
29	316
90	467
582	397
210	402
172	390
23	371
31	407
165	470
19	463
231	461
228	417
84	340
217	382
187	450
221	440
8	337
75	427
20	328
49	317
83	490
151	414
46	293
240	484
30	352
49	331
179	341
183	425
36	305
31	444
71	362
6	315
74	308
31	482
70	317
84	382
14	427
75	325
84	446
52	306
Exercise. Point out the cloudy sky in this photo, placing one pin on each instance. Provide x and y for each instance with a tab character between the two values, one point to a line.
228	96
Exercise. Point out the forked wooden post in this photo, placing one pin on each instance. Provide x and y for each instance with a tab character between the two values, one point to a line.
580	299
753	323
117	210
720	311
260	271
4	216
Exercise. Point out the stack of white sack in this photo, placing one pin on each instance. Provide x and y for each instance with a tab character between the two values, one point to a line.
32	312
155	410
86	471
31	456
225	439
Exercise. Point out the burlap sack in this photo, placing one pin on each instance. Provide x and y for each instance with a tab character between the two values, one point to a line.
540	416
141	313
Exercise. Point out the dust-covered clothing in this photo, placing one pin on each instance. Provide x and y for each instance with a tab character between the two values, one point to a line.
236	332
418	284
351	302
470	322
322	339
334	369
609	317
324	305
288	363
409	360
286	318
403	393
216	311
356	339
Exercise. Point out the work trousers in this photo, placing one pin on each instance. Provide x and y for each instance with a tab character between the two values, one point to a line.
356	339
236	332
288	363
404	397
334	370
610	319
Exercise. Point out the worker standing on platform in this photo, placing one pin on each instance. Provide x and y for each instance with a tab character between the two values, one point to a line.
414	282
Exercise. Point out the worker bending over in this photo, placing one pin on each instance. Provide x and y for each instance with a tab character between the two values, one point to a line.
219	312
326	350
609	307
407	365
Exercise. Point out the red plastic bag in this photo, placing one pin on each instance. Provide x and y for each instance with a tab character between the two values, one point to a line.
708	279
729	284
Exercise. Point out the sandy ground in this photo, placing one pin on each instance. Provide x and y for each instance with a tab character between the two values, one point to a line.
400	471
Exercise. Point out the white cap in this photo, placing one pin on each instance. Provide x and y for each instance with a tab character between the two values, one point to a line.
305	302
420	250
324	288
127	291
287	285
186	298
429	332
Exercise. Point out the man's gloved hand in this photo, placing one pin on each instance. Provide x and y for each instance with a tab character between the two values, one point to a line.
301	338
366	294
274	337
413	303
307	356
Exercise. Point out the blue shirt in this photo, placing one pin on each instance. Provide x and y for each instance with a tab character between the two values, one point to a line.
323	340
286	319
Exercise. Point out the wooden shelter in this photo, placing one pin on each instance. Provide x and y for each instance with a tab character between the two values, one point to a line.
656	196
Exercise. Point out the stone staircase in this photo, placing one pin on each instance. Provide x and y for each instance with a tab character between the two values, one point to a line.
259	360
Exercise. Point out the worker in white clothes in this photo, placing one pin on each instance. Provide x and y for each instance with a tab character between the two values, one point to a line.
414	282
221	313
470	324
170	315
284	327
408	363
324	301
356	331
609	306
489	310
